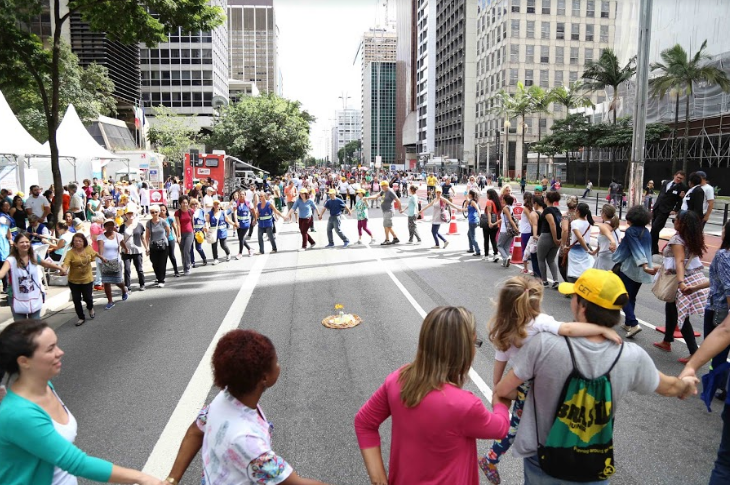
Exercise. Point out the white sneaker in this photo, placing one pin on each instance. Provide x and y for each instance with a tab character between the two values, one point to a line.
215	261
625	327
250	253
446	244
228	258
238	256
301	250
634	330
373	241
160	285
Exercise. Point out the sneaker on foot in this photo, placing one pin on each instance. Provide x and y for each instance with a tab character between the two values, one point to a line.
359	241
109	306
435	247
228	258
385	243
410	243
330	245
625	327
301	249
215	261
495	259
141	288
250	253
125	296
555	285
446	244
311	245
633	331
239	256
345	244
396	240
160	285
373	241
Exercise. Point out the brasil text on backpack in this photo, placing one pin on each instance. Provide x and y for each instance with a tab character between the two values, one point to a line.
579	446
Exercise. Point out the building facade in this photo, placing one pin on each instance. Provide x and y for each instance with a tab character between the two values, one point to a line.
406	62
378	45
378	129
188	72
253	49
348	128
544	43
455	80
426	79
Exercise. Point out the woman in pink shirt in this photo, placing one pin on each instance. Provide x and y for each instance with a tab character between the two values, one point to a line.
435	422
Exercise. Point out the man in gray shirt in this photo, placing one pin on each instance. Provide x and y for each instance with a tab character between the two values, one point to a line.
598	297
389	196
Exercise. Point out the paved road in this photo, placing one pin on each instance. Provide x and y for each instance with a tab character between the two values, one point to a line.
135	376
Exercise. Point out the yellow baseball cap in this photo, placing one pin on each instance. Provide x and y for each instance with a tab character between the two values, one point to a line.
332	191
384	183
597	286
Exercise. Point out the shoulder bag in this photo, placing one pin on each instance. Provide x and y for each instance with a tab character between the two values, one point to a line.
111	267
511	231
445	215
666	284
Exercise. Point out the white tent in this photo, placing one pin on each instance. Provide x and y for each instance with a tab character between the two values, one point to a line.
74	140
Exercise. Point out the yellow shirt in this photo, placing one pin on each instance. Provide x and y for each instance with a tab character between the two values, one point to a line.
431	181
80	265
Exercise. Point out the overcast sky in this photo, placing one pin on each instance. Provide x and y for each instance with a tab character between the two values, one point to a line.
318	42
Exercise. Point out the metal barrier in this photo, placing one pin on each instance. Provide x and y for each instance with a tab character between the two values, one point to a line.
601	200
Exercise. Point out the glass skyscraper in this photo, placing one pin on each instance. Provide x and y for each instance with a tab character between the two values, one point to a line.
379	121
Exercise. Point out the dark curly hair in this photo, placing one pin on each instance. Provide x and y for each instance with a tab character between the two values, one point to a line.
638	215
690	230
241	359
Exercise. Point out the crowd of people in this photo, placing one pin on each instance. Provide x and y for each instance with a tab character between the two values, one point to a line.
584	363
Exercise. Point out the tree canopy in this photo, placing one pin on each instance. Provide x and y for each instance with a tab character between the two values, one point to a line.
346	154
171	134
264	130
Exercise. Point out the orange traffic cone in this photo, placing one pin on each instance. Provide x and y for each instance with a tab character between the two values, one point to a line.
452	226
517	250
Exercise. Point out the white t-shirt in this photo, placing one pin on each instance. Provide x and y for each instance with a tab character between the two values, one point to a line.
709	191
112	249
542	323
505	222
174	192
525	226
207	203
237	444
36	204
144	196
76	203
68	431
582	226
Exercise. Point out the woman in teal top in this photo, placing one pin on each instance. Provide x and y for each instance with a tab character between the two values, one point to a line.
36	428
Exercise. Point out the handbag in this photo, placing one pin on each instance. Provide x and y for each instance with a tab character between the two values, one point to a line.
445	216
111	267
511	231
484	221
666	285
159	245
212	236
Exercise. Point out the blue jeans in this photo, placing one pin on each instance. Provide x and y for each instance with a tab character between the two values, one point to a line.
196	246
26	316
721	473
632	288
435	233
709	327
472	235
272	239
535	476
333	223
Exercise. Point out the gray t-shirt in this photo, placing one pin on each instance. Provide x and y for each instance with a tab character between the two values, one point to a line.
157	231
388	197
546	358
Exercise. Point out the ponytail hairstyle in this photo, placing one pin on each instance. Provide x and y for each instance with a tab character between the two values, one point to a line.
528	201
585	211
609	215
518	304
18	340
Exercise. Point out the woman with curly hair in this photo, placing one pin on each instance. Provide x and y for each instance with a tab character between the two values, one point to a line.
232	430
682	256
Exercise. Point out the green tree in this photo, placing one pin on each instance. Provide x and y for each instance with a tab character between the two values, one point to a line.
681	72
89	89
512	105
24	57
571	97
264	130
172	135
606	72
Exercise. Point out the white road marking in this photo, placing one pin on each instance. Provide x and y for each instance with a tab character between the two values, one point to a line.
163	454
473	375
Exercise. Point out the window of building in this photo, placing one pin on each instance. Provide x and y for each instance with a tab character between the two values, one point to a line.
574	55
604	33
576	8
529	80
561	7
589	32
516	6
530	6
514	53
573	76
605	9
558	78
560	31
513	73
530	29
575	32
544	54
515	29
544	78
546	7
591	9
529	53
545	30
499	57
560	55
588	55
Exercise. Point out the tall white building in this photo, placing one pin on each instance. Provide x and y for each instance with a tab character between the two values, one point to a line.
426	77
187	72
348	128
536	42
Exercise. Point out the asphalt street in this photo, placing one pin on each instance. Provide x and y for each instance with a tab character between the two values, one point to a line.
135	375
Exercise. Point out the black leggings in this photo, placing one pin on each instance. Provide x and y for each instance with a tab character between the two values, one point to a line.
242	239
171	255
688	333
490	234
224	246
85	291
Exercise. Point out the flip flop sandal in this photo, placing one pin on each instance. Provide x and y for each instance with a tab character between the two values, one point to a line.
80	322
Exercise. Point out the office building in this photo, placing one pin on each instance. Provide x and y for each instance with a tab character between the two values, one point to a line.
348	128
253	49
426	79
537	42
405	67
378	129
378	45
455	80
188	73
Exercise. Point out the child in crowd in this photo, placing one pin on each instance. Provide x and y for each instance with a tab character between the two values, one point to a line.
361	211
517	319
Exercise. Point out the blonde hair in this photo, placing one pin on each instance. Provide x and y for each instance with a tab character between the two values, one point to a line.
517	305
445	353
610	212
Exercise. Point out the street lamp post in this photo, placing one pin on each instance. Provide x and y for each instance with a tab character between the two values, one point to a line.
505	163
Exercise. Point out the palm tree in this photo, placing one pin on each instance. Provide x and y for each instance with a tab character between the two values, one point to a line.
681	73
511	105
571	97
606	72
541	100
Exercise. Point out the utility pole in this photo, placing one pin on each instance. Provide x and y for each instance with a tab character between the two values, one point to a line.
642	87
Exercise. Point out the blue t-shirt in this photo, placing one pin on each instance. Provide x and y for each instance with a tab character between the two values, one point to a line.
219	220
472	215
335	206
304	208
171	223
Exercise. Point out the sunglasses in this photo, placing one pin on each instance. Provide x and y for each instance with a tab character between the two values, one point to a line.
478	343
154	212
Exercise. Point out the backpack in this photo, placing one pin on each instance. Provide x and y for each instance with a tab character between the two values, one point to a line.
579	446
